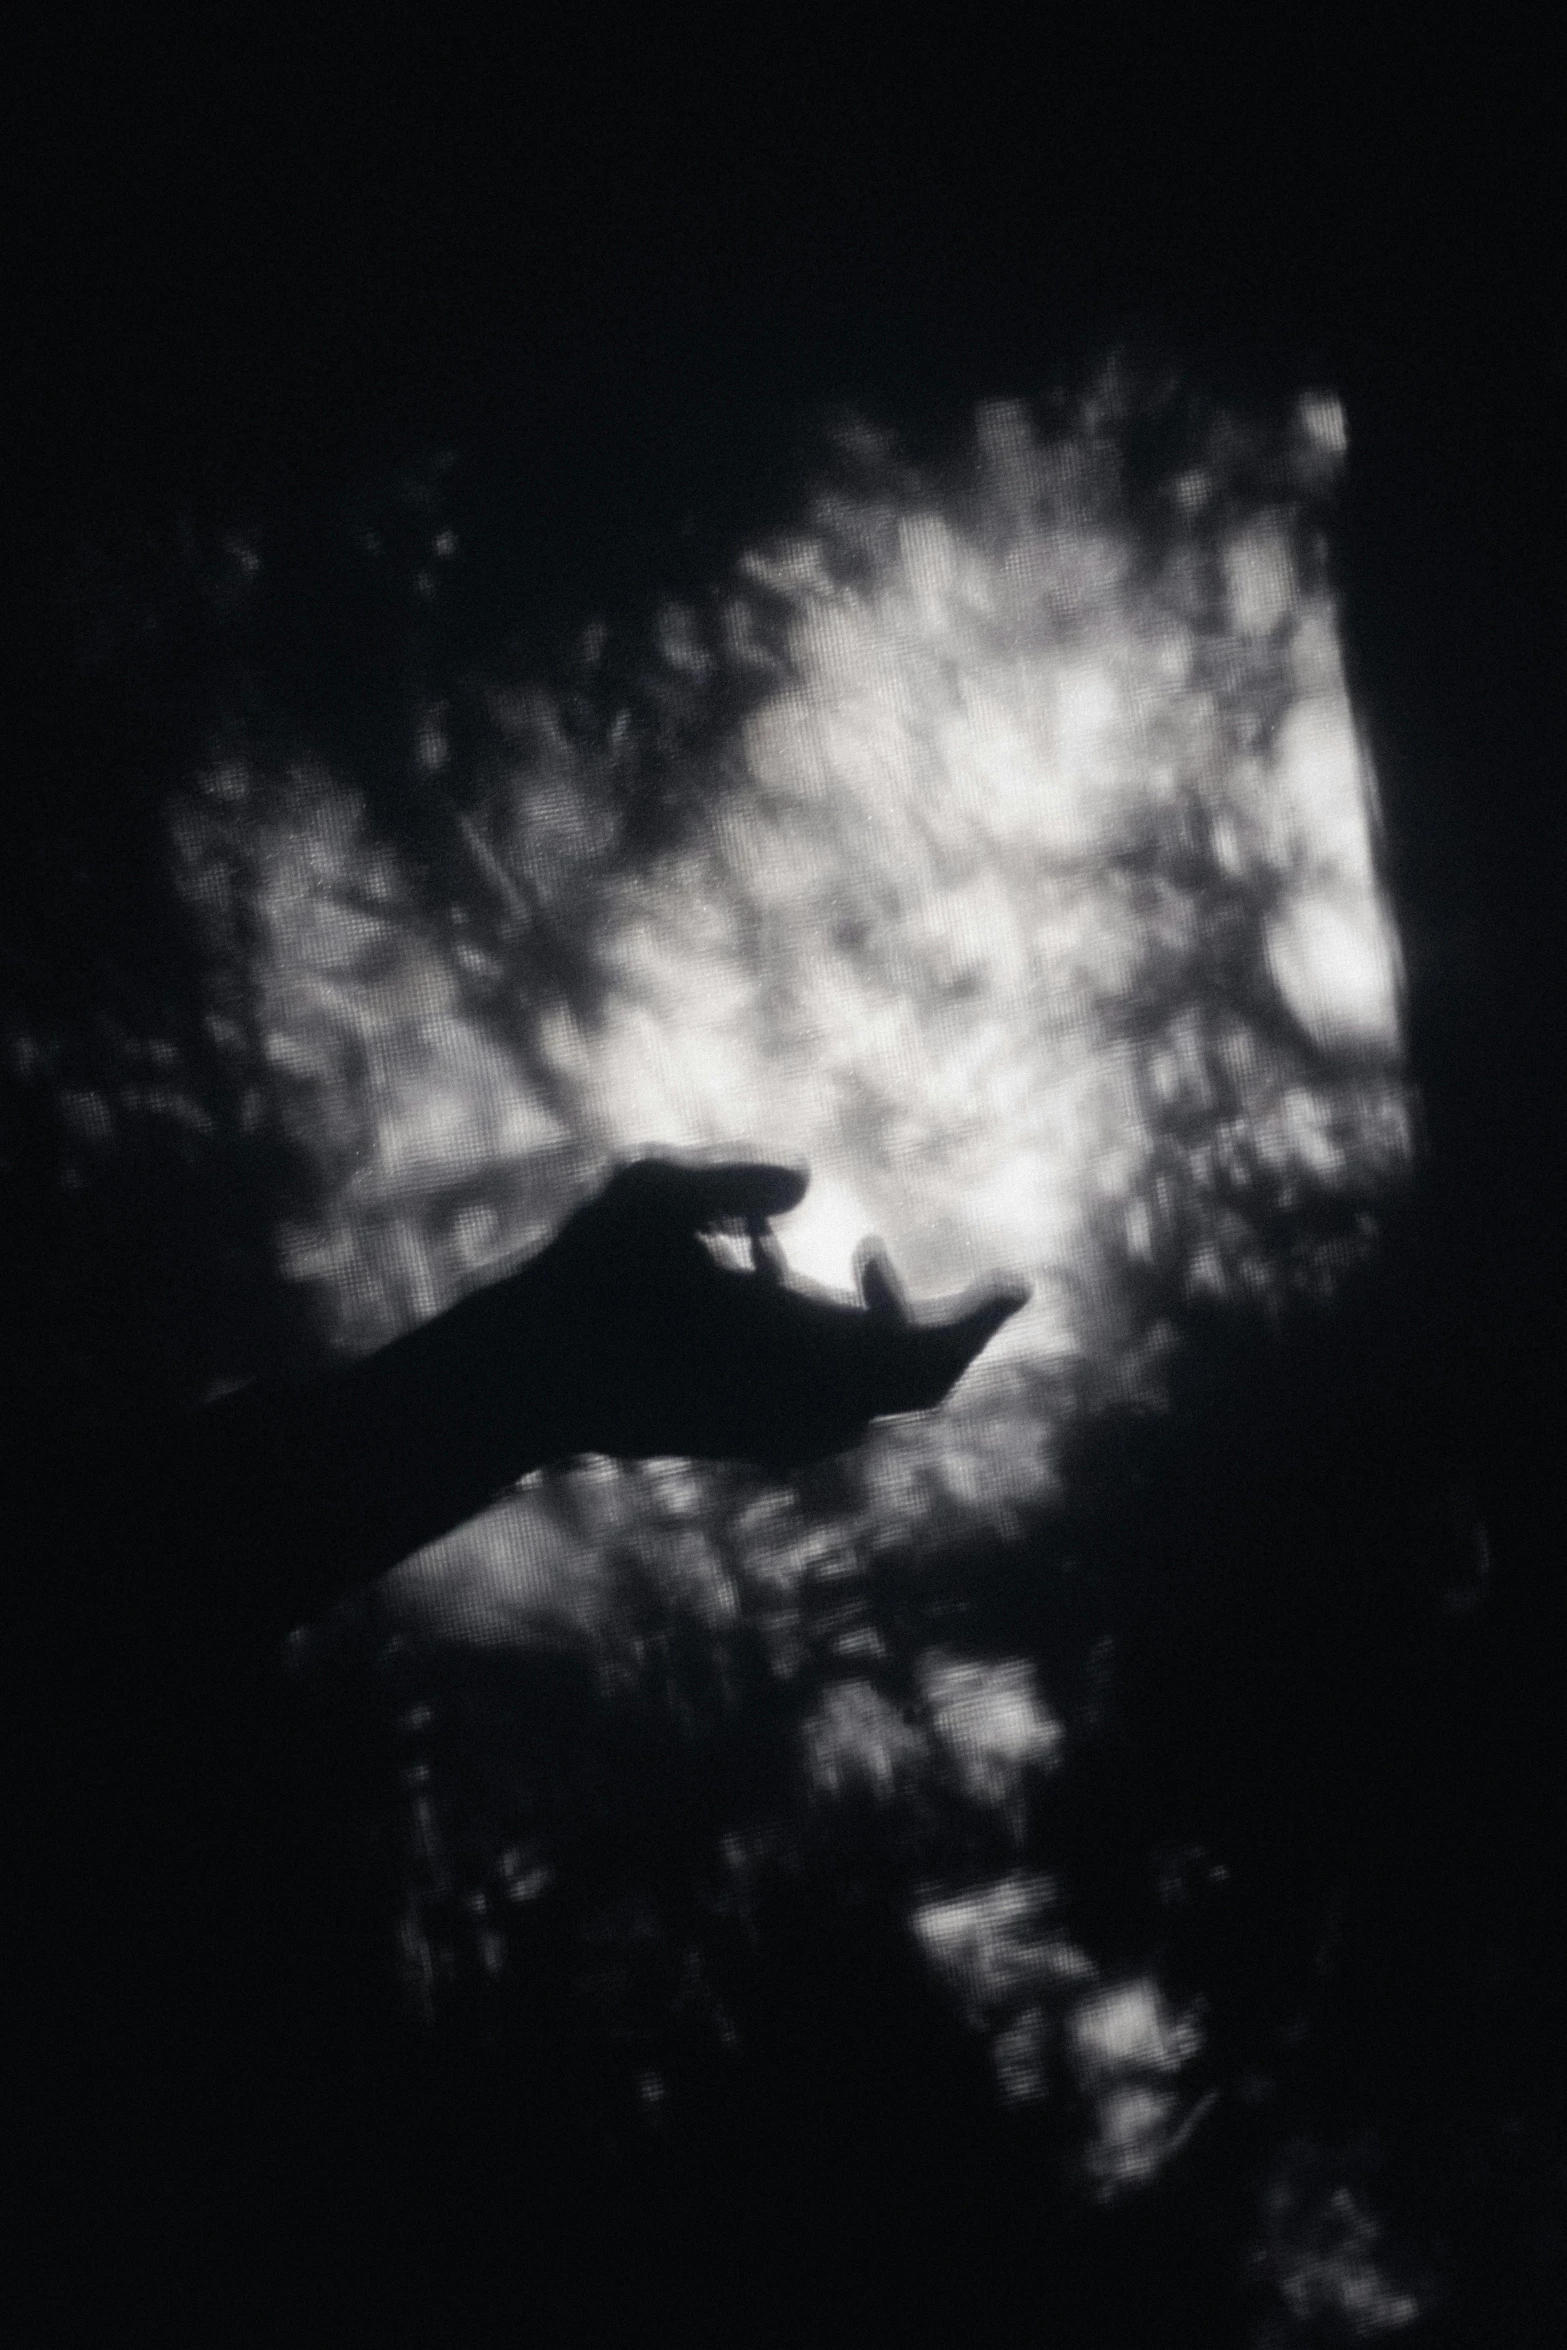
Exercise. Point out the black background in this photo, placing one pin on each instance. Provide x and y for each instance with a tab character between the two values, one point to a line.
257	260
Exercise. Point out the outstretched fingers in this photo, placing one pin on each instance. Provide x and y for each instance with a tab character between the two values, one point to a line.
939	1353
880	1289
969	1332
694	1194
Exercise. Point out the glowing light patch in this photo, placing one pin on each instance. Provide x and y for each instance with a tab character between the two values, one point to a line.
955	929
518	1579
1127	2048
995	1949
1035	904
1260	574
992	1723
1335	967
856	1742
1329	2255
1130	2027
821	1235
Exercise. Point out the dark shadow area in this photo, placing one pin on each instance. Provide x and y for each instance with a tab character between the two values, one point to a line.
1143	1918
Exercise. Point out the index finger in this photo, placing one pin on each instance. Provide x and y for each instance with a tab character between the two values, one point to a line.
696	1195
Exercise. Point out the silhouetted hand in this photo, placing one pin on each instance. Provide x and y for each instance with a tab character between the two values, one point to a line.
663	1350
624	1336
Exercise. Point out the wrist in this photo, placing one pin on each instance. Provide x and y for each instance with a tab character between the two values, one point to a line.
393	1452
461	1408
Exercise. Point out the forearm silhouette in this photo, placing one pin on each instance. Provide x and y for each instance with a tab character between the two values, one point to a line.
624	1336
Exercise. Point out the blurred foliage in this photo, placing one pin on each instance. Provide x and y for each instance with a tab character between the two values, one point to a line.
1026	1789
